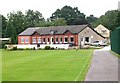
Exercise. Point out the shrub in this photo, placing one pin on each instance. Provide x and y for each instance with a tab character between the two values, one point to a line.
5	47
47	48
51	48
27	48
20	49
33	48
14	48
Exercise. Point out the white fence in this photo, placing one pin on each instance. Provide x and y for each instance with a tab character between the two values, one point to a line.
57	46
23	46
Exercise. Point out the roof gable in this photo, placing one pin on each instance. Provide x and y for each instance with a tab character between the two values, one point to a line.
67	32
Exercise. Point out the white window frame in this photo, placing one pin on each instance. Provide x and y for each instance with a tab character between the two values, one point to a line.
27	40
55	40
43	40
39	40
33	40
22	40
60	39
67	39
70	39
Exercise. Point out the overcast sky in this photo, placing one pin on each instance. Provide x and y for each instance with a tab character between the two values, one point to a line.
47	7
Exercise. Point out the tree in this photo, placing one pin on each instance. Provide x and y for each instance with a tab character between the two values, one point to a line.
91	19
118	19
33	18
17	22
17	19
59	22
55	22
4	24
11	32
72	15
108	20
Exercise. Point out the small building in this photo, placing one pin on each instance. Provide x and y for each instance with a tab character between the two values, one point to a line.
103	31
75	34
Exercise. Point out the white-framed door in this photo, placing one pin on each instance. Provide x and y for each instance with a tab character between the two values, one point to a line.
51	40
82	41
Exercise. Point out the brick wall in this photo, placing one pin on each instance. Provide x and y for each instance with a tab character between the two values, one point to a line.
36	36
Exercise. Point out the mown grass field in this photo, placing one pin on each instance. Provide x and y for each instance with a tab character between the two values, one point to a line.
45	65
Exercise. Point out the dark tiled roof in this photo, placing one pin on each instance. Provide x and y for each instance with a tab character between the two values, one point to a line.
28	31
58	30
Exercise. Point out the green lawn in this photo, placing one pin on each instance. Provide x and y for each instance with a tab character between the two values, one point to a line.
45	65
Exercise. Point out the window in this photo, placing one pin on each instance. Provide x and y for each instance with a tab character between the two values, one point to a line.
48	40
56	40
52	40
27	40
34	40
60	40
66	40
39	40
22	40
71	39
87	39
81	39
43	40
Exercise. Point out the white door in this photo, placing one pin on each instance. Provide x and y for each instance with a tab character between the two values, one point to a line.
82	41
48	40
52	40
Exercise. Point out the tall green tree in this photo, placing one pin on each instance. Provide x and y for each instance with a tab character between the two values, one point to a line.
91	19
59	22
11	32
108	20
4	24
118	19
17	22
33	18
72	15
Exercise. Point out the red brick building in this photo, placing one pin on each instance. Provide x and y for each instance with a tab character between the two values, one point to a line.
77	34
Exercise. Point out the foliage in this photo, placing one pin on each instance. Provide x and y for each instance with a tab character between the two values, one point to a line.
51	48
16	22
56	22
72	15
118	19
14	48
47	48
91	19
33	17
108	20
5	47
4	24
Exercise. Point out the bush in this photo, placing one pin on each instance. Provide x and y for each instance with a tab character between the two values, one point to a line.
20	49
51	48
14	48
5	47
33	48
27	49
47	48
